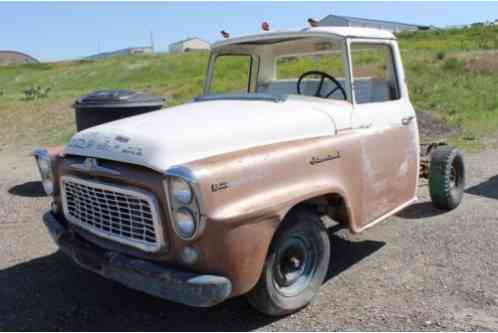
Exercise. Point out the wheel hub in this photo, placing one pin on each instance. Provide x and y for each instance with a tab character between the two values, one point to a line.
294	265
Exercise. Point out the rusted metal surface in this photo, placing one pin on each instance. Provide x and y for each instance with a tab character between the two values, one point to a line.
425	156
424	168
374	173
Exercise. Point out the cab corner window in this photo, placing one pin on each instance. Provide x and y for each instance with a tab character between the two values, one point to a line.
231	74
374	73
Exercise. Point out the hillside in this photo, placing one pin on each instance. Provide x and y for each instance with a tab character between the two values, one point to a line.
452	74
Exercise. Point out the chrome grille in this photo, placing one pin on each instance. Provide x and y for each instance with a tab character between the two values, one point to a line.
124	215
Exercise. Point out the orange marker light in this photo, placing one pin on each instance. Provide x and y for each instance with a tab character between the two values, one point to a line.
313	23
225	34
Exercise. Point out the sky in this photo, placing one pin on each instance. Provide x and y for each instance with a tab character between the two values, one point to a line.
52	31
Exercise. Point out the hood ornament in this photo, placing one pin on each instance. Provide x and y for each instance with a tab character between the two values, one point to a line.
91	165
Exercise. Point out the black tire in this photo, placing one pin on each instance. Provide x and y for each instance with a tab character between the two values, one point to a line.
446	177
295	267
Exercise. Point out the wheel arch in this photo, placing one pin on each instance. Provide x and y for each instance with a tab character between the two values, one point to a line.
333	204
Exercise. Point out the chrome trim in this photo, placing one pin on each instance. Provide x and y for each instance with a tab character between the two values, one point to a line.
158	230
39	154
195	205
91	165
242	97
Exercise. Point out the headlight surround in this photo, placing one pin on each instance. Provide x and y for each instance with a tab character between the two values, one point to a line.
44	163
185	223
184	203
181	191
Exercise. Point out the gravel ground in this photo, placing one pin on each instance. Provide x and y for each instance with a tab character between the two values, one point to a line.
423	270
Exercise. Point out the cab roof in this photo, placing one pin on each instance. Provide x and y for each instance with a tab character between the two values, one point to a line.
332	32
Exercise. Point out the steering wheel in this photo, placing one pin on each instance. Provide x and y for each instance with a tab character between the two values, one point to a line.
324	76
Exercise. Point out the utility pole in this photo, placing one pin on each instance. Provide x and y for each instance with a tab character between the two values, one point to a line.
152	41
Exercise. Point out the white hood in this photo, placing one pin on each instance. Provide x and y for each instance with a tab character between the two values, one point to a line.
161	139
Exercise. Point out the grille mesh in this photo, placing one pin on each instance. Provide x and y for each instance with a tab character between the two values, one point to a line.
112	212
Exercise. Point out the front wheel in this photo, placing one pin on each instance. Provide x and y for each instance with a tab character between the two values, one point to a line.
446	177
295	267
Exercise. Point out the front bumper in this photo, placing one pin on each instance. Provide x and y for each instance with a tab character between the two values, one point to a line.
192	289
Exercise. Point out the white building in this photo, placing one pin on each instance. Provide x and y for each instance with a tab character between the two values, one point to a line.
189	44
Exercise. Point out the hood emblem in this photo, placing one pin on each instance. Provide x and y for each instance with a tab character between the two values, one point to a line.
122	139
91	165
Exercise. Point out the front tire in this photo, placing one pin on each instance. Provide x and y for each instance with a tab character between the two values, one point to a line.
446	177
295	267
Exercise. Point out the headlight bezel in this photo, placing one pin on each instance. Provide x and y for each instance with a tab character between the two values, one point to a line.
178	193
45	166
184	174
179	229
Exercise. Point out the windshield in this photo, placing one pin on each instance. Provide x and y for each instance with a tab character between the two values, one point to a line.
309	66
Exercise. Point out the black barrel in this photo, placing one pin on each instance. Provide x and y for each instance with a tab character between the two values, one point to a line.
107	105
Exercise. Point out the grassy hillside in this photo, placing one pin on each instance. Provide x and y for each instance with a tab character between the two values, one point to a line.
452	74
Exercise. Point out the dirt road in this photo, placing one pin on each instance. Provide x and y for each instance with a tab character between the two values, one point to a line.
420	270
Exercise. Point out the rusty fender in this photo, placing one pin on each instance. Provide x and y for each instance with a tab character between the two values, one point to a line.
246	194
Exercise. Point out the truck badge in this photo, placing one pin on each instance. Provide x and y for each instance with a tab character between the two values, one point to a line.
324	158
219	187
122	139
91	165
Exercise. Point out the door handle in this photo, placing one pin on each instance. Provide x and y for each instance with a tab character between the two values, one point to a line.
407	120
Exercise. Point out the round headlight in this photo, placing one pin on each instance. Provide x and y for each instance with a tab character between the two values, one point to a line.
189	255
185	223
181	191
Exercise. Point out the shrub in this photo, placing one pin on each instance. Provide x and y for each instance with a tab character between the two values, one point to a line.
454	65
441	55
35	93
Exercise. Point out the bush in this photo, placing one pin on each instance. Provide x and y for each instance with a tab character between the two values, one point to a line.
454	65
35	93
441	55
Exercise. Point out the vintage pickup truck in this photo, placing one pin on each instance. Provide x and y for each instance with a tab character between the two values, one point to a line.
232	193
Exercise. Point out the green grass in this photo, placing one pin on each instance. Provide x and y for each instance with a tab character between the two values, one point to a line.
453	74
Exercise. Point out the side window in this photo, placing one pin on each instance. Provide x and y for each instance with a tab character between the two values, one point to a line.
232	74
374	73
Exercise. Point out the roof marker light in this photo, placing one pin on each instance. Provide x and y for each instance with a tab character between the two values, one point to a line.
225	34
313	23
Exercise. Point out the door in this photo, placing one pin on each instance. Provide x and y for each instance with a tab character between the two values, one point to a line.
386	124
